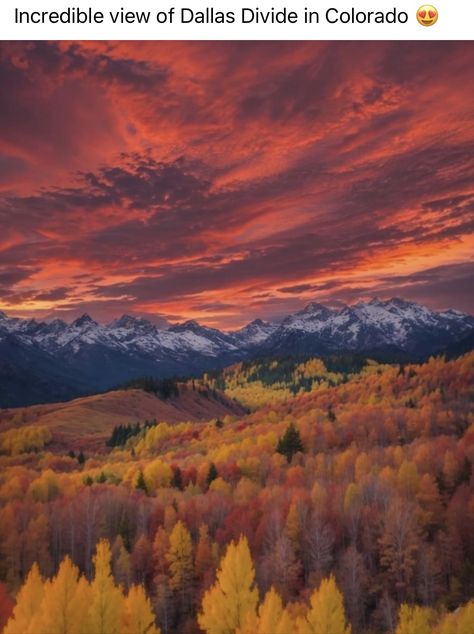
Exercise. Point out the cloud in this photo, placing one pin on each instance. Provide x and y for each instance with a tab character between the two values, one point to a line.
225	180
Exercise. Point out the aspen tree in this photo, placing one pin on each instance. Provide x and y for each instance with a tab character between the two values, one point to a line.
28	603
180	560
326	614
65	603
137	613
272	617
180	556
232	600
107	598
413	620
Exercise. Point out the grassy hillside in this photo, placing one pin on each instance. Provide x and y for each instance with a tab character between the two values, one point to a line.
88	422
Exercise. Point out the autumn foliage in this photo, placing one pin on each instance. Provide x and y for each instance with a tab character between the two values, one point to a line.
343	503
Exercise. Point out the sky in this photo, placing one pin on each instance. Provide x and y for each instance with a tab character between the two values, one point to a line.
225	181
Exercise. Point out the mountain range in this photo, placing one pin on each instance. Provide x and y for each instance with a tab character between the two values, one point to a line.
48	361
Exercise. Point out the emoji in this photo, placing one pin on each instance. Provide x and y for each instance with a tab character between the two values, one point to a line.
427	15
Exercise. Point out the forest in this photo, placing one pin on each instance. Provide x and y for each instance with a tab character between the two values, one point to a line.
341	501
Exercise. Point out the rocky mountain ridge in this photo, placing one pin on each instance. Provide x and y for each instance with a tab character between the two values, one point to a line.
85	356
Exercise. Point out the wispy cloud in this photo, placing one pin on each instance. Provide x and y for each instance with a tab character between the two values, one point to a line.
224	181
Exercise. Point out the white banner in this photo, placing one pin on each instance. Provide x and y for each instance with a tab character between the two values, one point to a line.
241	20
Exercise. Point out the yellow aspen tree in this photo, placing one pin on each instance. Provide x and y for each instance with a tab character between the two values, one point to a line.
326	614
180	560
232	600
286	625
180	556
137	613
107	598
269	613
83	600
465	624
272	617
63	610
28	603
461	622
414	620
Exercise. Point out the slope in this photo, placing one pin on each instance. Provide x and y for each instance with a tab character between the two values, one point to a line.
87	422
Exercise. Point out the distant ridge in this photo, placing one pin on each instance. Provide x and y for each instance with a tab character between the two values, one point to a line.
44	361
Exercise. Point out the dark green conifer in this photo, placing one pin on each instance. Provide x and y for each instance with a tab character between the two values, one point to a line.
177	479
212	474
290	443
141	484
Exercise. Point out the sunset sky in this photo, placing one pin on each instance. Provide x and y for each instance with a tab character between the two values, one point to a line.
228	181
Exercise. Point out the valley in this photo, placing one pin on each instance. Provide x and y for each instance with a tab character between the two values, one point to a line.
350	484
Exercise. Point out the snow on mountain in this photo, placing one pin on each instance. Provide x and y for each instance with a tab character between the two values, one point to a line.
253	334
98	356
207	340
368	326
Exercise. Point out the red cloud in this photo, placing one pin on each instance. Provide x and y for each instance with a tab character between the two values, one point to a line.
229	180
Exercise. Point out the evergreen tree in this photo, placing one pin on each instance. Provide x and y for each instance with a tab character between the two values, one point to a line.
141	484
212	474
290	443
177	479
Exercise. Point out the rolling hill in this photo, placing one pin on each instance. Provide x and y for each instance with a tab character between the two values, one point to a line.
87	422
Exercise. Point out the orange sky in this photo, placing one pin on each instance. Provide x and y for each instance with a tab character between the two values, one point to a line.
228	181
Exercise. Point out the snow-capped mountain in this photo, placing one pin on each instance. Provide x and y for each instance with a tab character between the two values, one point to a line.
365	327
254	334
88	356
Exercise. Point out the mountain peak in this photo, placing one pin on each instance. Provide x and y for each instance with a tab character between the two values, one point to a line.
314	307
126	321
84	320
256	323
190	324
99	357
